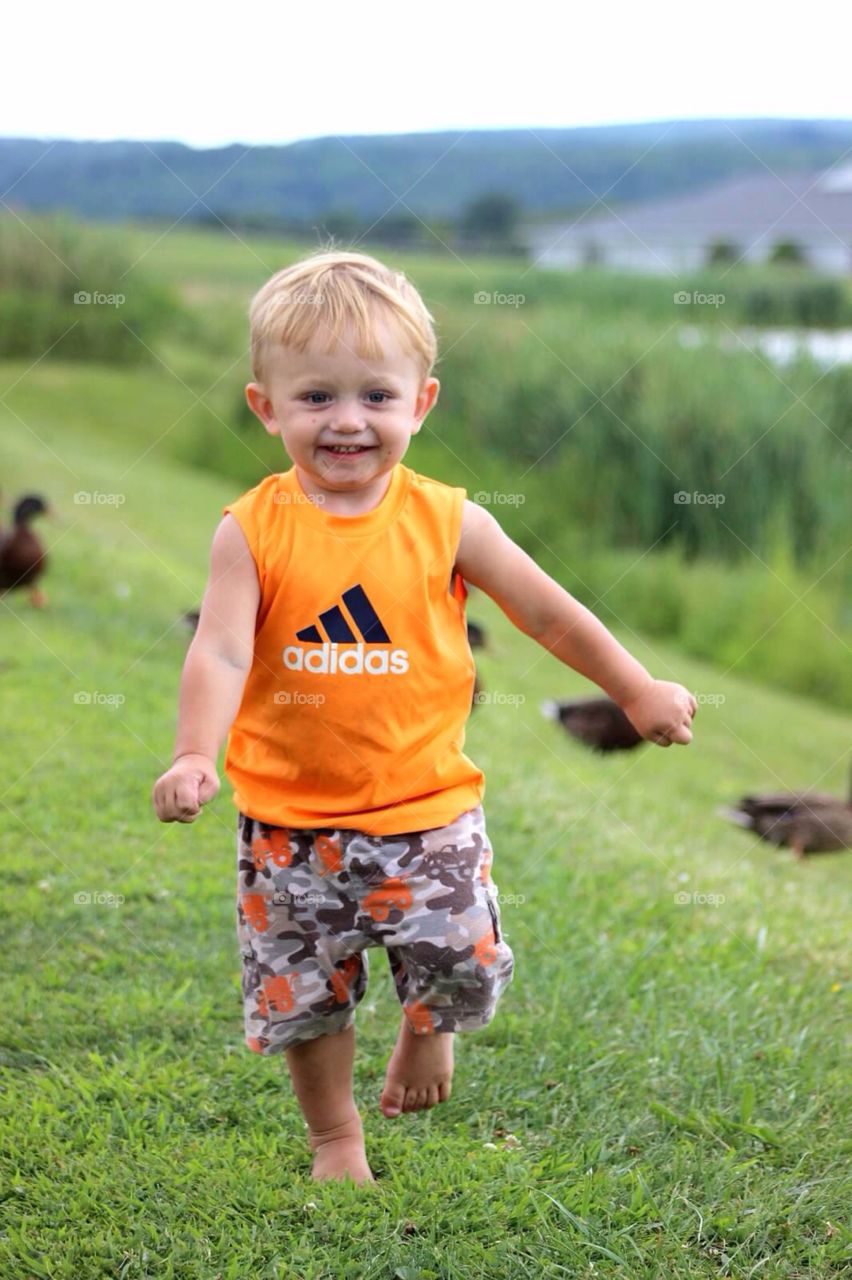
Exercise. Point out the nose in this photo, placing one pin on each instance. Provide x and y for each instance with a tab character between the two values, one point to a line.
350	418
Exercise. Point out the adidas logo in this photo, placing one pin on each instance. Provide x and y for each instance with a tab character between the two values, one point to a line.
359	629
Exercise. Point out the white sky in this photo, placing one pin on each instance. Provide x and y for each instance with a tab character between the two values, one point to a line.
277	72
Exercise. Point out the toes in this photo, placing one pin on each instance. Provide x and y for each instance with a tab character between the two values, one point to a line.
393	1100
445	1088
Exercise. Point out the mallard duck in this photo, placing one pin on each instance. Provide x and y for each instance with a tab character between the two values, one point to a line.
804	821
598	722
23	559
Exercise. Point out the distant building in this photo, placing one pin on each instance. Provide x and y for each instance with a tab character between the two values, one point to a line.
752	215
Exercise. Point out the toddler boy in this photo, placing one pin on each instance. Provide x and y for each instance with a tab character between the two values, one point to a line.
332	652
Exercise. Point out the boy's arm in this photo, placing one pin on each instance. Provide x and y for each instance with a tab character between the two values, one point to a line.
214	675
536	604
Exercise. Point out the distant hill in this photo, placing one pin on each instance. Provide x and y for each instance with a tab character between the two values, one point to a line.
544	171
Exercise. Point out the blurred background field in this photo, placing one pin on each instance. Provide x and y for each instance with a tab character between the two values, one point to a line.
696	492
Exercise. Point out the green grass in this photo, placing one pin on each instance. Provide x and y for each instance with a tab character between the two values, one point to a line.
671	1073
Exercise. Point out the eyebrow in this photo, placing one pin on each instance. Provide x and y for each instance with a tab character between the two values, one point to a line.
307	382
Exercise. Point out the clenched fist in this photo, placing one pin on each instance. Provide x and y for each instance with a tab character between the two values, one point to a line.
179	794
663	713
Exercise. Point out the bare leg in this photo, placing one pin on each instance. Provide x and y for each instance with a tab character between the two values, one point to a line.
321	1071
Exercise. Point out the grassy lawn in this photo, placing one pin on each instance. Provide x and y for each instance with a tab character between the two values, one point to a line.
660	1093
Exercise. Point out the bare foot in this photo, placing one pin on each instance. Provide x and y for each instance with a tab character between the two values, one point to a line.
419	1071
339	1152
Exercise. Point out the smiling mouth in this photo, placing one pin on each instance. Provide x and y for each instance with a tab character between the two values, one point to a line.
347	450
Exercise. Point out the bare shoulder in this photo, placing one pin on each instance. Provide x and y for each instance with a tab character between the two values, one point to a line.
229	542
232	598
480	535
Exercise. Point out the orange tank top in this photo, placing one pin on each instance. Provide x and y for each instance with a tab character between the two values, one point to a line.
354	710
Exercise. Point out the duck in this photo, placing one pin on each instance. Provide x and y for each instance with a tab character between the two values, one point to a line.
475	634
23	558
804	821
598	722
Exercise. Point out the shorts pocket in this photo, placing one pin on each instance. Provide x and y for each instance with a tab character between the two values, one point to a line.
495	915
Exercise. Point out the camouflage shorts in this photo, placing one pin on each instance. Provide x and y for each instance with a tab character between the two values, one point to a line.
311	902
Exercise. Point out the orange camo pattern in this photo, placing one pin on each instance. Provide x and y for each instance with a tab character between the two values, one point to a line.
392	892
425	897
254	909
485	949
276	992
343	978
418	1017
328	852
275	847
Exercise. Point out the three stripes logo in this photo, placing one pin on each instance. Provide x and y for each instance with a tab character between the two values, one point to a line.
359	628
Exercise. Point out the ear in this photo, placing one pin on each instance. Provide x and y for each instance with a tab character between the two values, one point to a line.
425	400
260	404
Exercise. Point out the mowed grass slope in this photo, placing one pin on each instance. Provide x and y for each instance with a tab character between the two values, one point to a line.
660	1094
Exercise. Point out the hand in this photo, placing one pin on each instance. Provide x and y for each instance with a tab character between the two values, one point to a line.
663	713
179	794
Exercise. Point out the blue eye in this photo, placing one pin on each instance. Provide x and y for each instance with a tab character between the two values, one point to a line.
310	396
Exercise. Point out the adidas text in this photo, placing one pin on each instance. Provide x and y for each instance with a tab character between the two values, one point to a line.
349	660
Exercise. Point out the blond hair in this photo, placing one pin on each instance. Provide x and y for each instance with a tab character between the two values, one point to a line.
328	289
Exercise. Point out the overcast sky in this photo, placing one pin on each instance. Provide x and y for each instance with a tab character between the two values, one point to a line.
279	72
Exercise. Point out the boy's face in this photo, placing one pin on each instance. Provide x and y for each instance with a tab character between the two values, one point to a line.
322	404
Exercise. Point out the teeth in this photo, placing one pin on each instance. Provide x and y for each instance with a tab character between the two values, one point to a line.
346	448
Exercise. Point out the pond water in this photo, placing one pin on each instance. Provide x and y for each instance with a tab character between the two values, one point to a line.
826	346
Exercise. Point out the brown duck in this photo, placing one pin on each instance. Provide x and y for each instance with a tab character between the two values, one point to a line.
475	634
23	559
598	722
804	821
